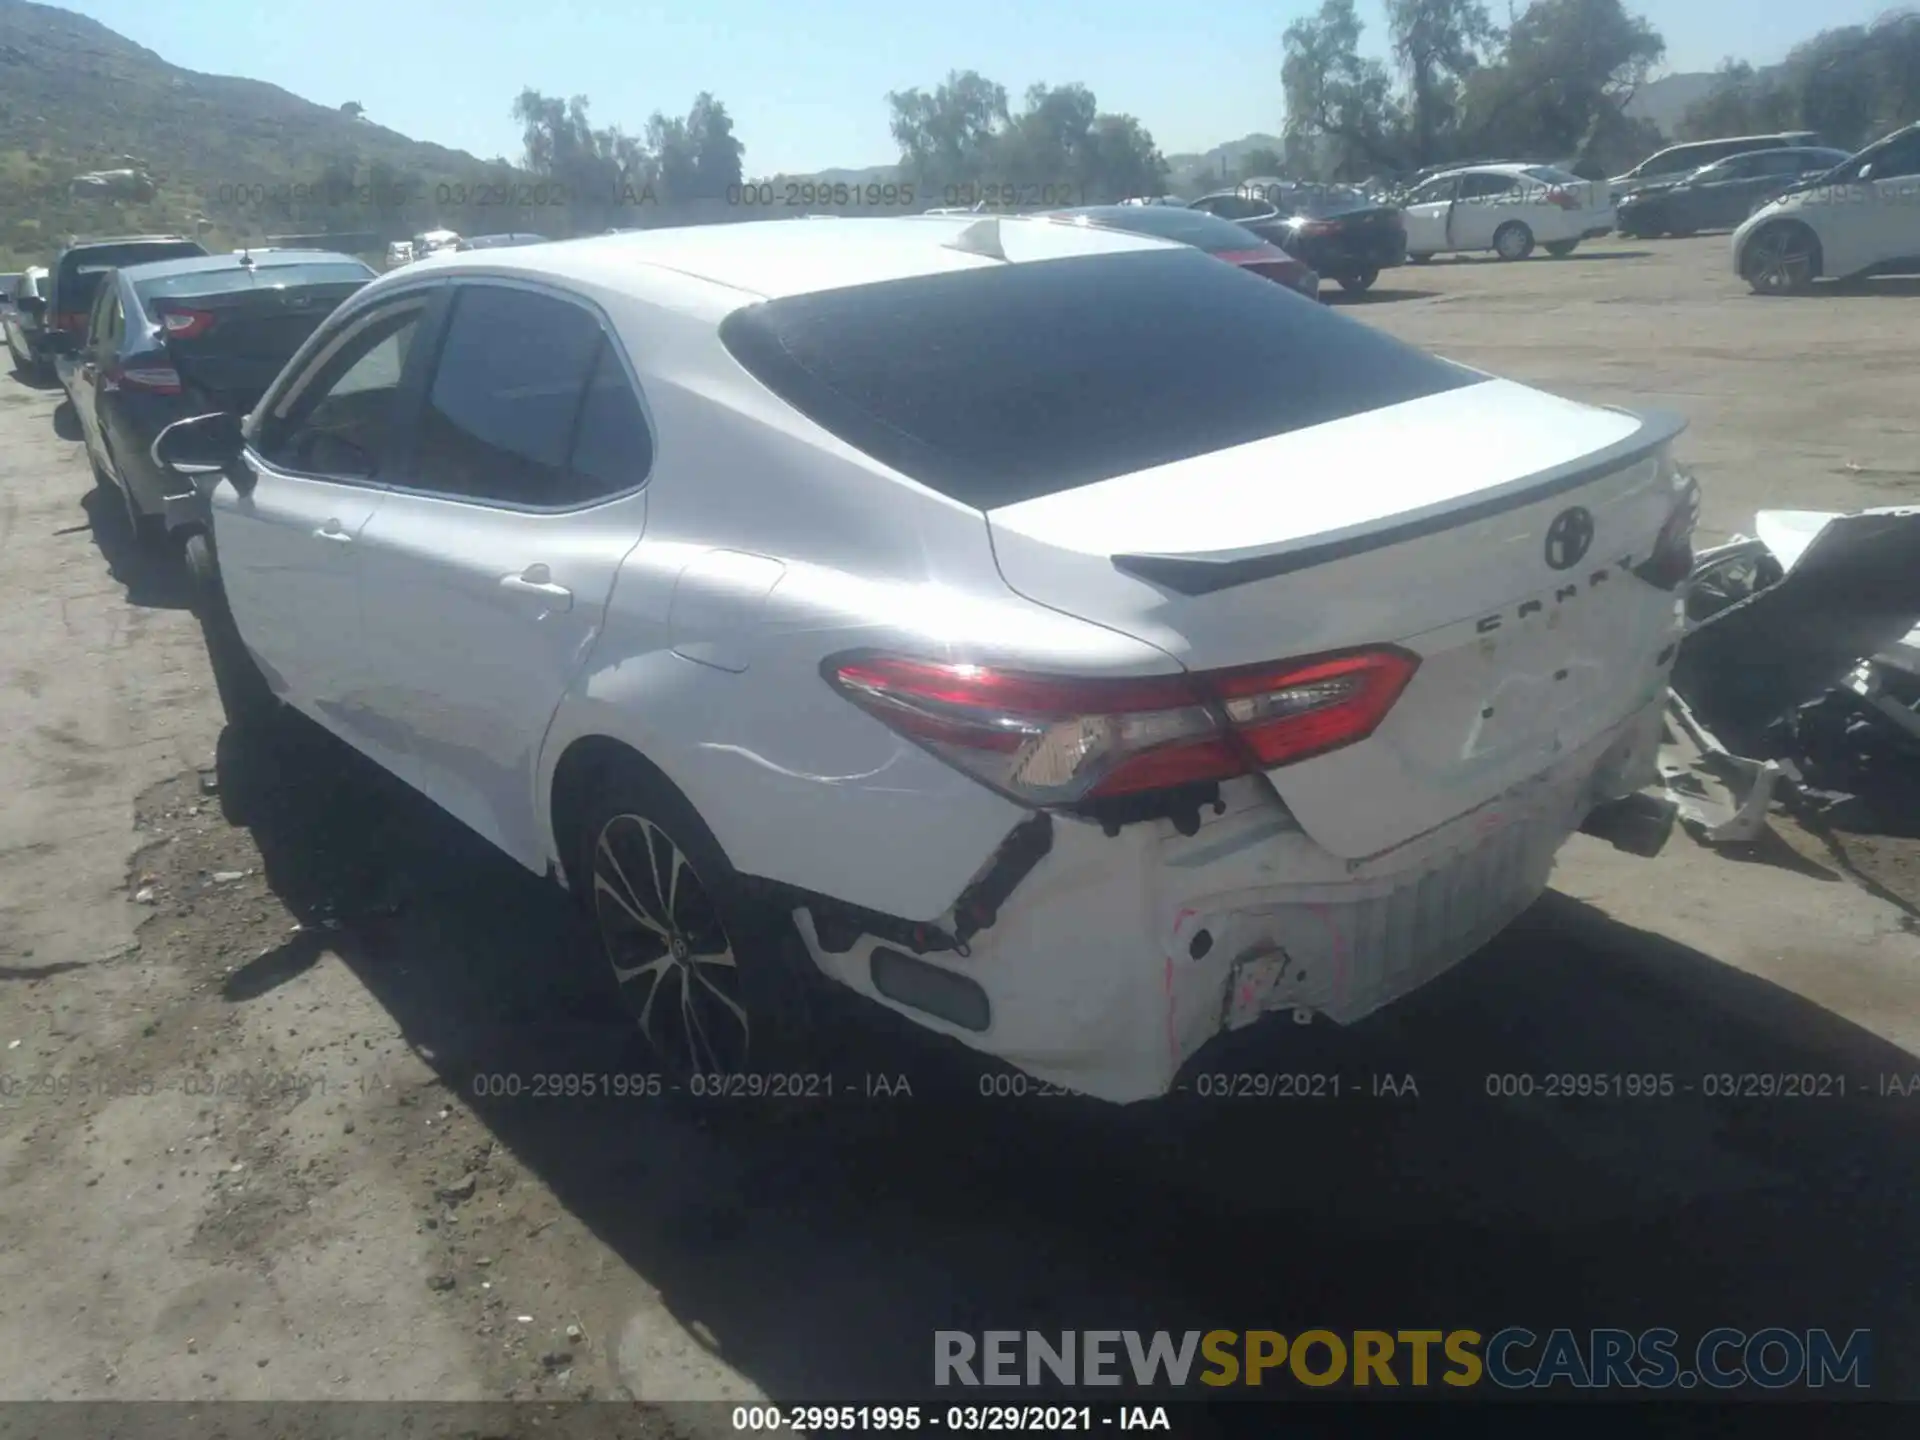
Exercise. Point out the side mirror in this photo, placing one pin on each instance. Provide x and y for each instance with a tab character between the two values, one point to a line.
203	447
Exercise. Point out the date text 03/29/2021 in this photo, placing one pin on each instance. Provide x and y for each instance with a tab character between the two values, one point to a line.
959	1419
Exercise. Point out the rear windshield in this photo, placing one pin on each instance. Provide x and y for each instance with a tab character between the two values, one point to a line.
80	270
1325	199
1002	385
239	277
1169	222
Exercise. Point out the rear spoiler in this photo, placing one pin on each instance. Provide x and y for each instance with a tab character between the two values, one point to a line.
1208	572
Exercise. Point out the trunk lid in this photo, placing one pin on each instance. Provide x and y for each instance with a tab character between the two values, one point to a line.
230	345
1424	525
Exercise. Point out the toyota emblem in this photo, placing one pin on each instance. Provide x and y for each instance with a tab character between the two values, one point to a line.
1569	537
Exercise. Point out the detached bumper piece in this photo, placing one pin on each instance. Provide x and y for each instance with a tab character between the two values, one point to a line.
1802	655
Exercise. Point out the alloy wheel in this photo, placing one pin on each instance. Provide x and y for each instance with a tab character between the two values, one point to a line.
669	948
1781	261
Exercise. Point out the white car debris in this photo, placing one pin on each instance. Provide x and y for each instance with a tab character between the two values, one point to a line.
1080	686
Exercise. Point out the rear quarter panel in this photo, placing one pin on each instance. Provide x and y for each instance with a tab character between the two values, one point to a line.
824	553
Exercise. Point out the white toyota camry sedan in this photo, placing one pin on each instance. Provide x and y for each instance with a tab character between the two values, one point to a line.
1065	640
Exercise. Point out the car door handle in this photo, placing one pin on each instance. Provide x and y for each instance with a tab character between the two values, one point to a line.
333	530
538	580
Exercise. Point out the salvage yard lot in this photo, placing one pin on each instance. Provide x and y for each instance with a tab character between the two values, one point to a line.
353	1213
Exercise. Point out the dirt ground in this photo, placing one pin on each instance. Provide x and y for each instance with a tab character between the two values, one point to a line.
246	1149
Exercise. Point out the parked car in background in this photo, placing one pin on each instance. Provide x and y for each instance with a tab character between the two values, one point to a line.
1860	218
434	242
399	252
176	338
1221	239
75	274
1336	229
25	320
496	242
1677	162
1508	209
980	676
1719	196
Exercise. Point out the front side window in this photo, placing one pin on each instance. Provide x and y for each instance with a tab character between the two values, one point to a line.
341	418
499	418
1435	191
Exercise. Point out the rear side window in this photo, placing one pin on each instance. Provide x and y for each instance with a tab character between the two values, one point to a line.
612	447
995	386
499	418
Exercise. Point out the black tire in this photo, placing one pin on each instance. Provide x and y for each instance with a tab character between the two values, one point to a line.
635	844
1781	258
244	695
1560	249
1513	241
1360	282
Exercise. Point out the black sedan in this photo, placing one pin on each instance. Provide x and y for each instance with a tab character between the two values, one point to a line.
1341	232
176	338
1721	195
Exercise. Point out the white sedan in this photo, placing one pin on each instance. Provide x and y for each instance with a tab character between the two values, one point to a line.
1862	218
877	600
1508	209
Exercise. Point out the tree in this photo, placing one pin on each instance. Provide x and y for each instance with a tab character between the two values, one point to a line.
1438	44
601	173
1058	150
353	110
1332	92
1554	86
1853	84
946	138
1563	82
697	157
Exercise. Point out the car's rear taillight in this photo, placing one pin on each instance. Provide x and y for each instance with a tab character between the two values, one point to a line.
1565	199
1051	740
186	324
1317	227
1671	562
151	379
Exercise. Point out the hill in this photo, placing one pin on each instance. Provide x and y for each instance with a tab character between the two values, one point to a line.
233	158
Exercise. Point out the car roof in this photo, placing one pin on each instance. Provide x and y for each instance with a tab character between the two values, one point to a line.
769	259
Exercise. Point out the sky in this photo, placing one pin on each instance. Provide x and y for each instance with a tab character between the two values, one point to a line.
806	80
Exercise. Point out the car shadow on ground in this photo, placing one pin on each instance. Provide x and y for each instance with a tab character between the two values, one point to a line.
66	422
32	380
1378	296
822	1252
151	570
1581	255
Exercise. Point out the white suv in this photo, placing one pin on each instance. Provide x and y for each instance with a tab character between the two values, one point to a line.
1859	219
1076	679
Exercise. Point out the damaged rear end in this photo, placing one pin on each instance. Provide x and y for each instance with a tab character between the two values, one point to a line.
1416	620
